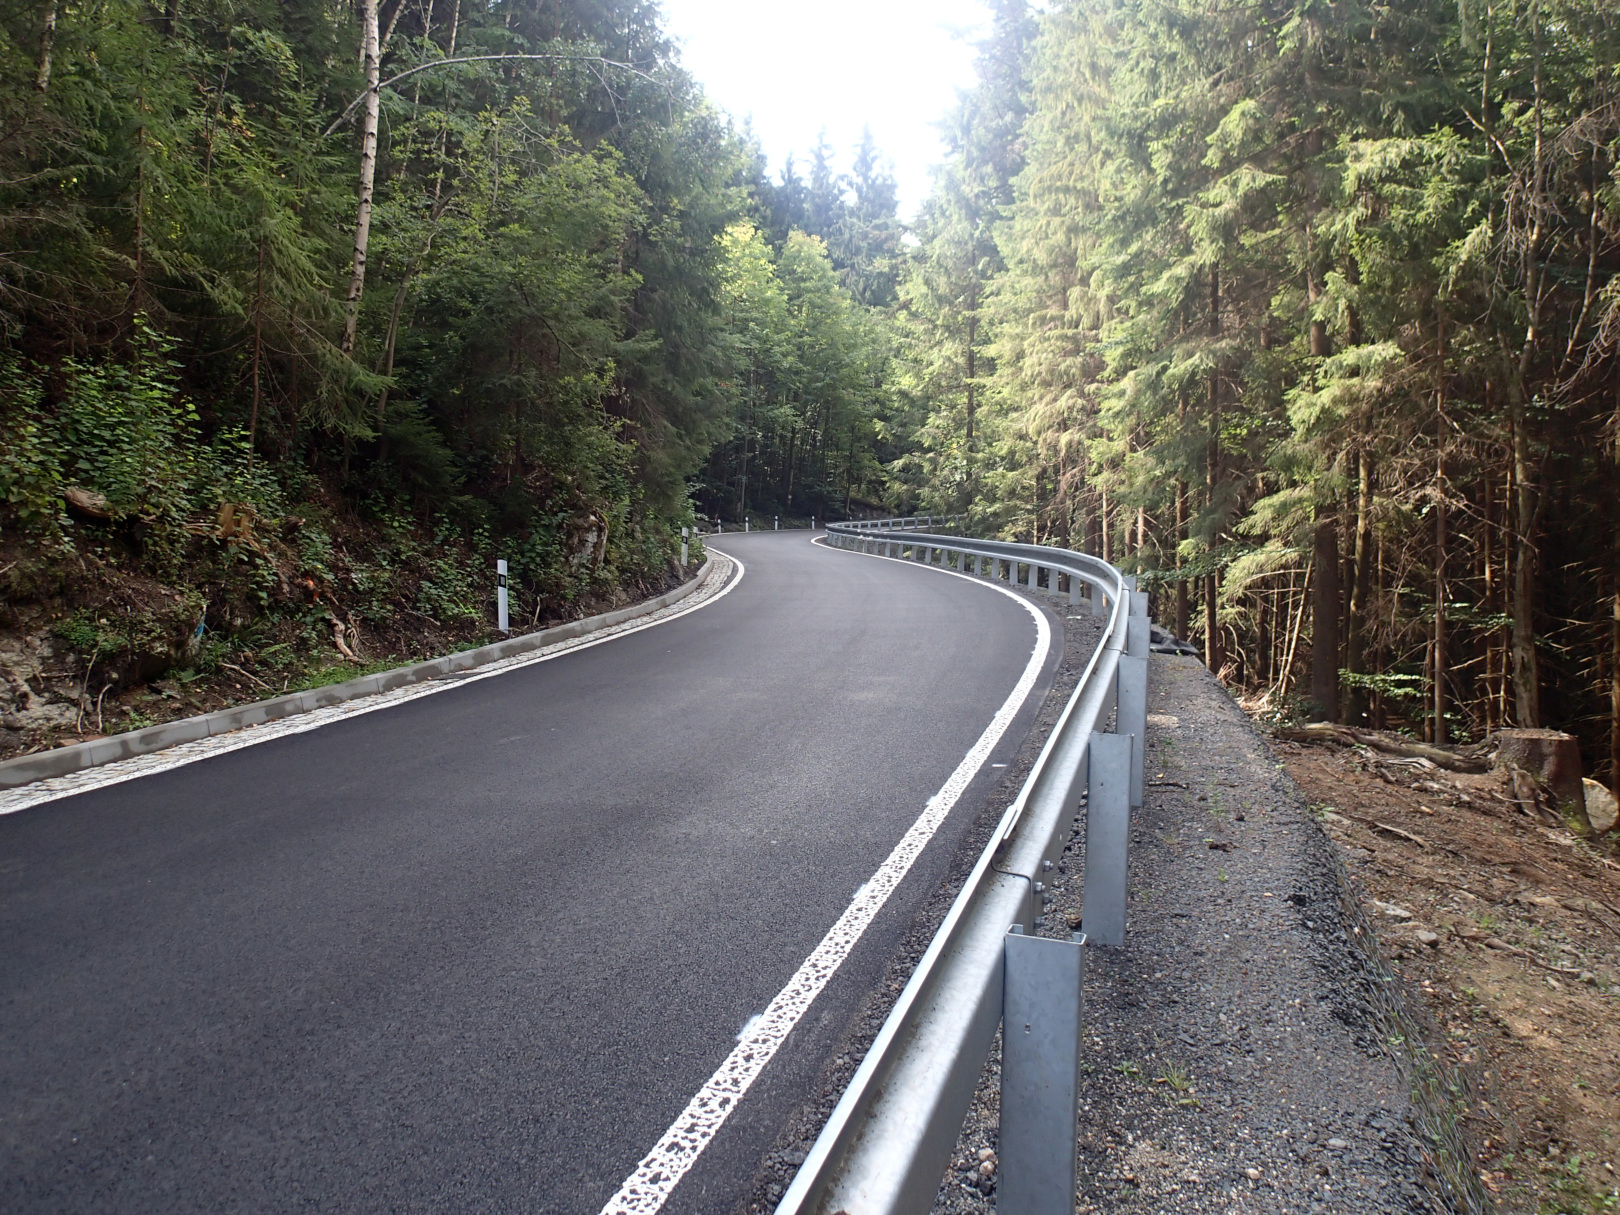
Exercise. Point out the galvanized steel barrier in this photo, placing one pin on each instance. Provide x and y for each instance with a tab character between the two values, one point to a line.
888	1143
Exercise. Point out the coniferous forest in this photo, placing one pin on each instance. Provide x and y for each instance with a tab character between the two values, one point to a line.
1305	313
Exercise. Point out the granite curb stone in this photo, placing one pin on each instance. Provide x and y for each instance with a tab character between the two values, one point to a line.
63	760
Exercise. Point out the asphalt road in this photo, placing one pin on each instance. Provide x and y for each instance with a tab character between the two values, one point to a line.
476	951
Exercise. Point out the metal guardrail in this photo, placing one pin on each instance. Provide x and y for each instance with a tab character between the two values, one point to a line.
889	1140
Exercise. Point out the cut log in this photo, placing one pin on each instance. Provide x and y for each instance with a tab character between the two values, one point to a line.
1553	758
1327	732
86	502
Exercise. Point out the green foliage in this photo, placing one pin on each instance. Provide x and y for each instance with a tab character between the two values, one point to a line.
1281	295
30	461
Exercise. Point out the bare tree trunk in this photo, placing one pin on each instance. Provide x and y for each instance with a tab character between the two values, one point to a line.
1526	662
1181	582
1213	656
1361	577
1614	628
1526	672
972	333
1181	529
258	350
1107	531
1488	584
47	42
1325	619
1438	659
370	58
1262	640
1381	656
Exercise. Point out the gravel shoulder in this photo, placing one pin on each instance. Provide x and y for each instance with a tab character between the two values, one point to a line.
1249	1049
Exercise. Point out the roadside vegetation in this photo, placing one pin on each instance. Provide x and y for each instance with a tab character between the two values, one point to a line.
309	312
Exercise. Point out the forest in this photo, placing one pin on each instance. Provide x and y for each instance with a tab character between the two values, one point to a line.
1306	313
311	310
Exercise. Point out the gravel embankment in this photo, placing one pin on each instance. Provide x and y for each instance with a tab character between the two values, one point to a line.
1249	1052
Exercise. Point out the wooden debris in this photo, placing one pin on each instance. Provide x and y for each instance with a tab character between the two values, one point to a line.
1319	732
87	502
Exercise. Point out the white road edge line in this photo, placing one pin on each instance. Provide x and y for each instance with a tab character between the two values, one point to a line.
56	787
647	1189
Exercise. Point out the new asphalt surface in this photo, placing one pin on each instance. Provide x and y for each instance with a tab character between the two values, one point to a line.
476	951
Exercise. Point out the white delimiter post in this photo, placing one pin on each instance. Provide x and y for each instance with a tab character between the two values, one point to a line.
500	596
686	533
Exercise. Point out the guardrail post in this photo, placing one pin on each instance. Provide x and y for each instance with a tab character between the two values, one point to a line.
1099	603
1074	591
1108	839
1131	716
1137	635
1042	1013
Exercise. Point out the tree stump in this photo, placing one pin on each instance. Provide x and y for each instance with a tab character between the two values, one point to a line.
1553	758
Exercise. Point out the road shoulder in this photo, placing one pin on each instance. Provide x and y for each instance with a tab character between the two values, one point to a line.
1248	1050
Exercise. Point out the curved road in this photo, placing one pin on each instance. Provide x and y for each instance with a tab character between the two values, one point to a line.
475	952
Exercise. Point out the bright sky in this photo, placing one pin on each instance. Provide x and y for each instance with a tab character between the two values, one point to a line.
797	69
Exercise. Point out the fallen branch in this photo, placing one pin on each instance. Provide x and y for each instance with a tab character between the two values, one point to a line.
1503	947
1399	834
1318	732
245	674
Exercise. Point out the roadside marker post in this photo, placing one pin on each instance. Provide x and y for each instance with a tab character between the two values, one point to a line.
686	533
776	523
500	596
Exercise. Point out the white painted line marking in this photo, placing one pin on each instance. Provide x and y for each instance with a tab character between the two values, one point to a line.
647	1189
53	788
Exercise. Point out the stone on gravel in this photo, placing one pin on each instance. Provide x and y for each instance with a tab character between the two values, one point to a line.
1601	809
1393	911
1432	940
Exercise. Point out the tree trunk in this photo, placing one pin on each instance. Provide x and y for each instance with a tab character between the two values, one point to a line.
1438	657
1488	580
1361	577
972	332
47	42
1181	582
370	59
1614	627
1526	664
1525	661
1325	620
1552	757
1213	656
258	350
